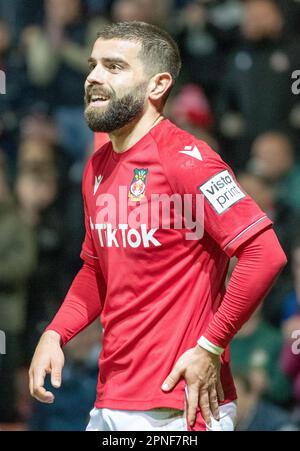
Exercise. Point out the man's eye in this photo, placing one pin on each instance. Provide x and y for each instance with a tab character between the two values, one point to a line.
114	67
91	67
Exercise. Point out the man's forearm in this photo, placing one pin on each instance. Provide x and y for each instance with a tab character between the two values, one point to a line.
259	262
81	306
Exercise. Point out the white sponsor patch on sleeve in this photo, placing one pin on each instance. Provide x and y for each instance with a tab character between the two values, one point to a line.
222	191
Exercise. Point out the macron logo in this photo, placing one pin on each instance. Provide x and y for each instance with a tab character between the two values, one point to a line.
192	152
98	180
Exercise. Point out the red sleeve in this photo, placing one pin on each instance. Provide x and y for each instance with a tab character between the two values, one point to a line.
259	263
231	216
81	306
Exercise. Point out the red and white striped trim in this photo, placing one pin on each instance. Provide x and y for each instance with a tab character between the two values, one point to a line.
90	256
245	231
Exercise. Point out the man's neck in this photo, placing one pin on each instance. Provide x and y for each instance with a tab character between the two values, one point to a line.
129	135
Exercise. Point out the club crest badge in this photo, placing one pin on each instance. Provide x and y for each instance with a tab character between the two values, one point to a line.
138	185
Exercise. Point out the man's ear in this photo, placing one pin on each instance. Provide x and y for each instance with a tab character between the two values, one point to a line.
159	85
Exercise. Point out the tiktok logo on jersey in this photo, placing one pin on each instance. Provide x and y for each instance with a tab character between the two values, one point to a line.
134	220
222	191
123	236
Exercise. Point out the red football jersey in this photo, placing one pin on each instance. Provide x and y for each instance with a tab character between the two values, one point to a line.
162	288
100	139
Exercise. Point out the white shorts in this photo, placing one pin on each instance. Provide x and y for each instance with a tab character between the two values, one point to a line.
160	419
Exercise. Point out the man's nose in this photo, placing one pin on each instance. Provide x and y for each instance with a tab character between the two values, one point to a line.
97	75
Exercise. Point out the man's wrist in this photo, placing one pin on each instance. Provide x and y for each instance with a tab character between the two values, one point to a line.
53	336
210	347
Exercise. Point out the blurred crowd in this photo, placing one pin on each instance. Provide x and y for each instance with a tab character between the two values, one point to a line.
235	92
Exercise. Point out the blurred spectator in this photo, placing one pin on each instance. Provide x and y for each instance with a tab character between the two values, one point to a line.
263	191
291	305
286	225
37	191
292	12
5	43
256	93
40	127
37	179
39	140
54	54
17	250
290	359
73	219
255	414
205	31
12	101
191	107
190	110
77	392
256	349
151	11
98	7
8	13
273	157
290	355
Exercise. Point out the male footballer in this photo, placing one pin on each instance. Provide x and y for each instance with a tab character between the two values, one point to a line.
163	216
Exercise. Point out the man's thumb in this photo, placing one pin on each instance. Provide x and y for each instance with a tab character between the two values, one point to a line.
171	380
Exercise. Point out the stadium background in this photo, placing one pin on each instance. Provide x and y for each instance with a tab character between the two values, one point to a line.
235	91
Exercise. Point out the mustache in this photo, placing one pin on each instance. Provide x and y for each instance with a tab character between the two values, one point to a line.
98	91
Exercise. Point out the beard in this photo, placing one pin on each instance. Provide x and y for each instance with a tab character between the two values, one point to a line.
119	112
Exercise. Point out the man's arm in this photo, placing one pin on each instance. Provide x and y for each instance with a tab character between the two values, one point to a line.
82	305
260	260
80	308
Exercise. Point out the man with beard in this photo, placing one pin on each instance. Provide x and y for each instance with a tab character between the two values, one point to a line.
157	286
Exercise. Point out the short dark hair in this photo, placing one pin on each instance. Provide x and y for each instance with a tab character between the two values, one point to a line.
159	51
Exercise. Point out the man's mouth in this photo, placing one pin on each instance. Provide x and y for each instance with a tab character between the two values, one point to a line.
98	100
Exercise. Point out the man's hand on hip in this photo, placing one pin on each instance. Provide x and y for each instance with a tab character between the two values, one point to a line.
201	371
48	359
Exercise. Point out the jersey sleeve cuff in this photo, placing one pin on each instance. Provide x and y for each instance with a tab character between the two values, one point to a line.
63	338
257	226
206	344
87	257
